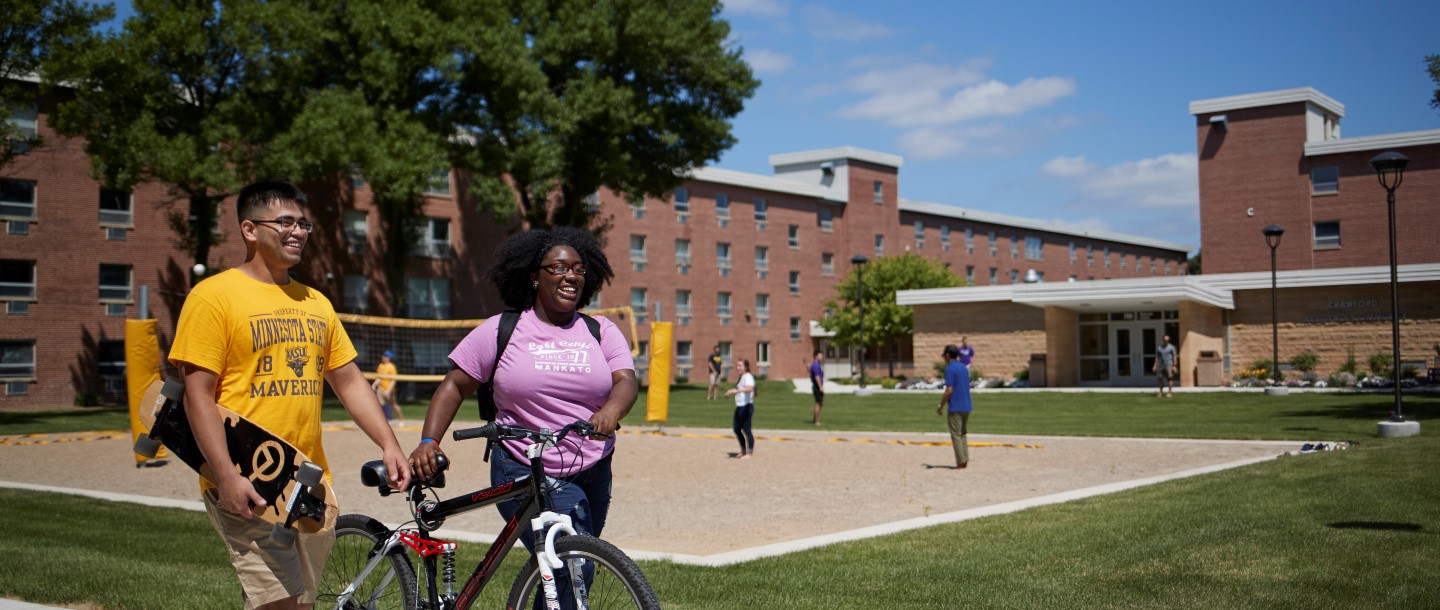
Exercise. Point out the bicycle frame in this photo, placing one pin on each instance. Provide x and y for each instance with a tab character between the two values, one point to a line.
535	509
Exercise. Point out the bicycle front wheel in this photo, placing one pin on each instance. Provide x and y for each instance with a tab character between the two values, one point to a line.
608	579
390	585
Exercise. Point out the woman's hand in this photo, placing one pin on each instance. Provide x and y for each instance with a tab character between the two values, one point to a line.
422	459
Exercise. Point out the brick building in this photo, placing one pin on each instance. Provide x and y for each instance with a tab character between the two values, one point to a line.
736	259
1266	158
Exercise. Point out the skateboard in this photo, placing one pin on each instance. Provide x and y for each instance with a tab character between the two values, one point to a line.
297	495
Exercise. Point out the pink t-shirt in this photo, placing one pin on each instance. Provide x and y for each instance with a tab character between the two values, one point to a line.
549	377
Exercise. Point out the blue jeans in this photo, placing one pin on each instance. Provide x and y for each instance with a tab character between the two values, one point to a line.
743	433
585	496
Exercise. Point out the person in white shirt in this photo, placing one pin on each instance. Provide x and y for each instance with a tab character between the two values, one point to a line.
744	393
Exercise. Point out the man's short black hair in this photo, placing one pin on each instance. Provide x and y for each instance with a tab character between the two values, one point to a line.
952	352
260	195
521	254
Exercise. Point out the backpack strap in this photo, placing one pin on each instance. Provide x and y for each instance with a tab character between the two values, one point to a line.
593	325
508	319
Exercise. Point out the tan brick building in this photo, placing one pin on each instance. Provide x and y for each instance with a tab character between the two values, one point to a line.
1266	158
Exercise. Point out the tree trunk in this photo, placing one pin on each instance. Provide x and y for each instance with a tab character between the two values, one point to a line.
202	233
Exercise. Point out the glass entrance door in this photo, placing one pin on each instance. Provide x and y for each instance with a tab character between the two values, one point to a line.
1133	353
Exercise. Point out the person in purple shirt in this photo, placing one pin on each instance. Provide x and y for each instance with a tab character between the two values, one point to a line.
967	353
553	372
817	383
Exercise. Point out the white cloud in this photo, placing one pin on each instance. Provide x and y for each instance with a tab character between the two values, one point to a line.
1068	166
766	61
920	76
826	24
1166	181
936	143
764	8
929	106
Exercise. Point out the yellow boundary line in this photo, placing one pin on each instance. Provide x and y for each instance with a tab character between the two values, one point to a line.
832	440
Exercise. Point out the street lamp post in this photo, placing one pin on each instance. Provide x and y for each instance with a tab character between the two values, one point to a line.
1272	239
859	261
1390	165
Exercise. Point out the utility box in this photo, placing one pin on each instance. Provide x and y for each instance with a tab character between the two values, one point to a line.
1037	370
1208	370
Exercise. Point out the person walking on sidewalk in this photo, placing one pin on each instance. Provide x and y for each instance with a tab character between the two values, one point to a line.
1166	369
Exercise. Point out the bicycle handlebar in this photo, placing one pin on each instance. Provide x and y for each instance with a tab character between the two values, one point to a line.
498	432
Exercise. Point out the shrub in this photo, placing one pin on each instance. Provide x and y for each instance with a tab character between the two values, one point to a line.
83	399
1022	375
1342	379
1305	361
1409	372
939	368
976	374
682	379
1350	366
889	383
1380	363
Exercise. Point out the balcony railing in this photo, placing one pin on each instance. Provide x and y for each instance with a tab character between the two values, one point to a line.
432	248
116	217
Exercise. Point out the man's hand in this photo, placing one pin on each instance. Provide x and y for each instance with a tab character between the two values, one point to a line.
238	495
398	467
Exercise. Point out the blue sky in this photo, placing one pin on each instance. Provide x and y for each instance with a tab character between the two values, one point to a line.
1074	112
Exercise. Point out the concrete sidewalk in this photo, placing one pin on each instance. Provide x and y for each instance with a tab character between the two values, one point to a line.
10	604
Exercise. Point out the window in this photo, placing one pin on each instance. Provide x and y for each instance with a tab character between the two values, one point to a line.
945	237
682	256
992	243
357	230
1035	248
682	307
879	246
1122	261
357	293
1089	255
1167	266
357	177
722	209
642	360
794	236
1072	253
993	275
827	219
879	190
683	358
1327	234
726	354
25	120
794	329
722	307
17	360
1324	180
434	238
17	199
115	283
1014	246
827	264
115	208
969	240
722	259
795	282
919	235
638	208
762	261
762	358
970	274
428	298
637	252
639	304
762	309
682	203
1106	255
439	183
110	362
17	280
1014	276
1152	265
762	210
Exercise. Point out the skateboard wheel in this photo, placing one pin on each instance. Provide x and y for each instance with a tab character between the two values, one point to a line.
309	474
147	446
280	534
174	390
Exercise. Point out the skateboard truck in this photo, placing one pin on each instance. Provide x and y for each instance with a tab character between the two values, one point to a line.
173	392
301	504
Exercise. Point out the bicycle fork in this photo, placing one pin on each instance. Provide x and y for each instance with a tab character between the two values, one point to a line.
551	524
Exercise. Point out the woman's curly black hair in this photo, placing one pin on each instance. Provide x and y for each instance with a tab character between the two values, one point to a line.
521	254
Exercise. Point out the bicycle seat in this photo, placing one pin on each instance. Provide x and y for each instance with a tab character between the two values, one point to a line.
375	474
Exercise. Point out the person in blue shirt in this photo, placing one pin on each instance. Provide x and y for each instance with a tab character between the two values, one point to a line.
957	399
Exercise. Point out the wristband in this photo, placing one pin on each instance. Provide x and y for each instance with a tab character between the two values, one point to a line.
428	440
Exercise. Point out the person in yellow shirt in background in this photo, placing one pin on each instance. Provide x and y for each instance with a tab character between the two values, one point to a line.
385	388
253	339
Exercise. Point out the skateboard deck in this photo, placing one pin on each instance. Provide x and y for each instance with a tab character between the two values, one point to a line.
271	464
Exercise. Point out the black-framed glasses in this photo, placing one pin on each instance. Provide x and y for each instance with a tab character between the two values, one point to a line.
564	268
288	223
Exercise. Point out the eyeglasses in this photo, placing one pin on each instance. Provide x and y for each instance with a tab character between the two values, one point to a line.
564	268
288	224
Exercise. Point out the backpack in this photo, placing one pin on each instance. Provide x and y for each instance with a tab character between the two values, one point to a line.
486	394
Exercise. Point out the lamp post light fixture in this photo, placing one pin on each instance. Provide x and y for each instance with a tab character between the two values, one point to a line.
859	261
1273	233
1390	166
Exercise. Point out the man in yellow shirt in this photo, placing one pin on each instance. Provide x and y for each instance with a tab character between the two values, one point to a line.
385	387
263	345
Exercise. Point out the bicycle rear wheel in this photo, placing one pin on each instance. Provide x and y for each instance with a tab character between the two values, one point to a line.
391	585
612	580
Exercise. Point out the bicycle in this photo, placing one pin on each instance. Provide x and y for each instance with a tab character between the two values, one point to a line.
370	566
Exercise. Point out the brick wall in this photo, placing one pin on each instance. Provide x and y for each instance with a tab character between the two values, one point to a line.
1003	334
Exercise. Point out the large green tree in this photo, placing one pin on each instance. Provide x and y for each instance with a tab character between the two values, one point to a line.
1432	64
28	30
563	97
190	94
886	322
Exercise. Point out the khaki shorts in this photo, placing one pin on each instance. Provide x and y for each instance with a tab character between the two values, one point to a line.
716	378
269	572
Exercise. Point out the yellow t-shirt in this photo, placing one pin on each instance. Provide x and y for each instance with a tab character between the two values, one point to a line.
270	346
386	369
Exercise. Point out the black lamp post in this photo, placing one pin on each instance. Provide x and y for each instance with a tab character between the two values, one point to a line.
1390	165
859	261
1272	239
